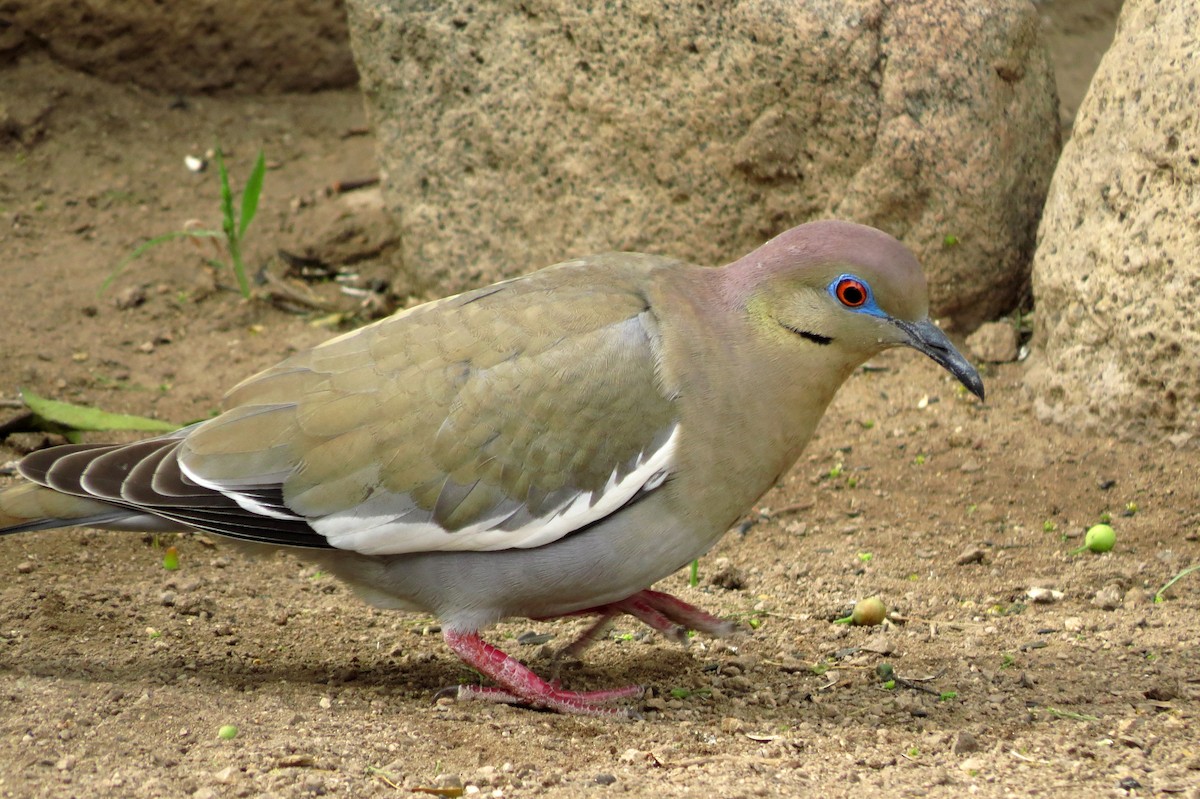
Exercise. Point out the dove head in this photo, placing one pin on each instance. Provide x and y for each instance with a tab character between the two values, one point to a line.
846	286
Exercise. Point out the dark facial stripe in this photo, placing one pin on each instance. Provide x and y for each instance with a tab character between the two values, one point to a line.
815	338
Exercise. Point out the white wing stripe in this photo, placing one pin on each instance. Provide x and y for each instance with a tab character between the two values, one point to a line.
248	504
373	528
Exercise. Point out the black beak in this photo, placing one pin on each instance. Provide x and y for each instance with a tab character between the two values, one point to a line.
928	338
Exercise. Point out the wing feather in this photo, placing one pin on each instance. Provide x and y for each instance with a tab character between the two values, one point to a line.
503	418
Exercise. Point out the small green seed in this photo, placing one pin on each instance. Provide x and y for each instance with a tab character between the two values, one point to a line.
227	732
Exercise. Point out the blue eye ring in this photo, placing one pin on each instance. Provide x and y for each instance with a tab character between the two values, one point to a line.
854	294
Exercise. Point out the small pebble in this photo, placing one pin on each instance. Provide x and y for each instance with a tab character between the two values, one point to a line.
605	779
130	297
1136	596
965	742
1044	596
1108	598
880	645
972	764
971	555
732	725
634	756
487	775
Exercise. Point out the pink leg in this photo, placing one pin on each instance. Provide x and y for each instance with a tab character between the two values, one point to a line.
586	638
660	611
518	684
687	616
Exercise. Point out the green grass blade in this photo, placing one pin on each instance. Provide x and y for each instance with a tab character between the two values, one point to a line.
81	417
239	269
226	196
1158	597
250	194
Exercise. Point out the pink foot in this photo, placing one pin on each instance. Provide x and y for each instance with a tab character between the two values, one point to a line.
519	685
660	611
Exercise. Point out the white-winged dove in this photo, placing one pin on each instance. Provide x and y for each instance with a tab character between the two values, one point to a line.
547	446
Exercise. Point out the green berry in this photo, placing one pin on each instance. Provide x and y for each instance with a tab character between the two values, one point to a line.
869	612
1100	538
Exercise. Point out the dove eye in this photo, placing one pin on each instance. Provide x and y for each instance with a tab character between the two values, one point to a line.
851	292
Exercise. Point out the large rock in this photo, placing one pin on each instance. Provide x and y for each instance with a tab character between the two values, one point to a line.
184	47
513	135
1117	274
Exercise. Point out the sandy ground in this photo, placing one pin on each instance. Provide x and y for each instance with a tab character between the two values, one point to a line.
115	674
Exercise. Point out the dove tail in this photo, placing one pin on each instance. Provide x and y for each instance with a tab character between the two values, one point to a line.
142	487
29	507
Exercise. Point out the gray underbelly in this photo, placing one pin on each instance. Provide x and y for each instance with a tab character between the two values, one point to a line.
605	563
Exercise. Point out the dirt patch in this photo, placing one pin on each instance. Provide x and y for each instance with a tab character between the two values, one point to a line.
116	675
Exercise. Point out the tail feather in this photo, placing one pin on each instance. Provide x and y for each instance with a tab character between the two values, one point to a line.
140	486
30	507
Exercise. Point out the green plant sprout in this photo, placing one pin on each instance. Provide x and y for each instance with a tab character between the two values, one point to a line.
235	221
1159	596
